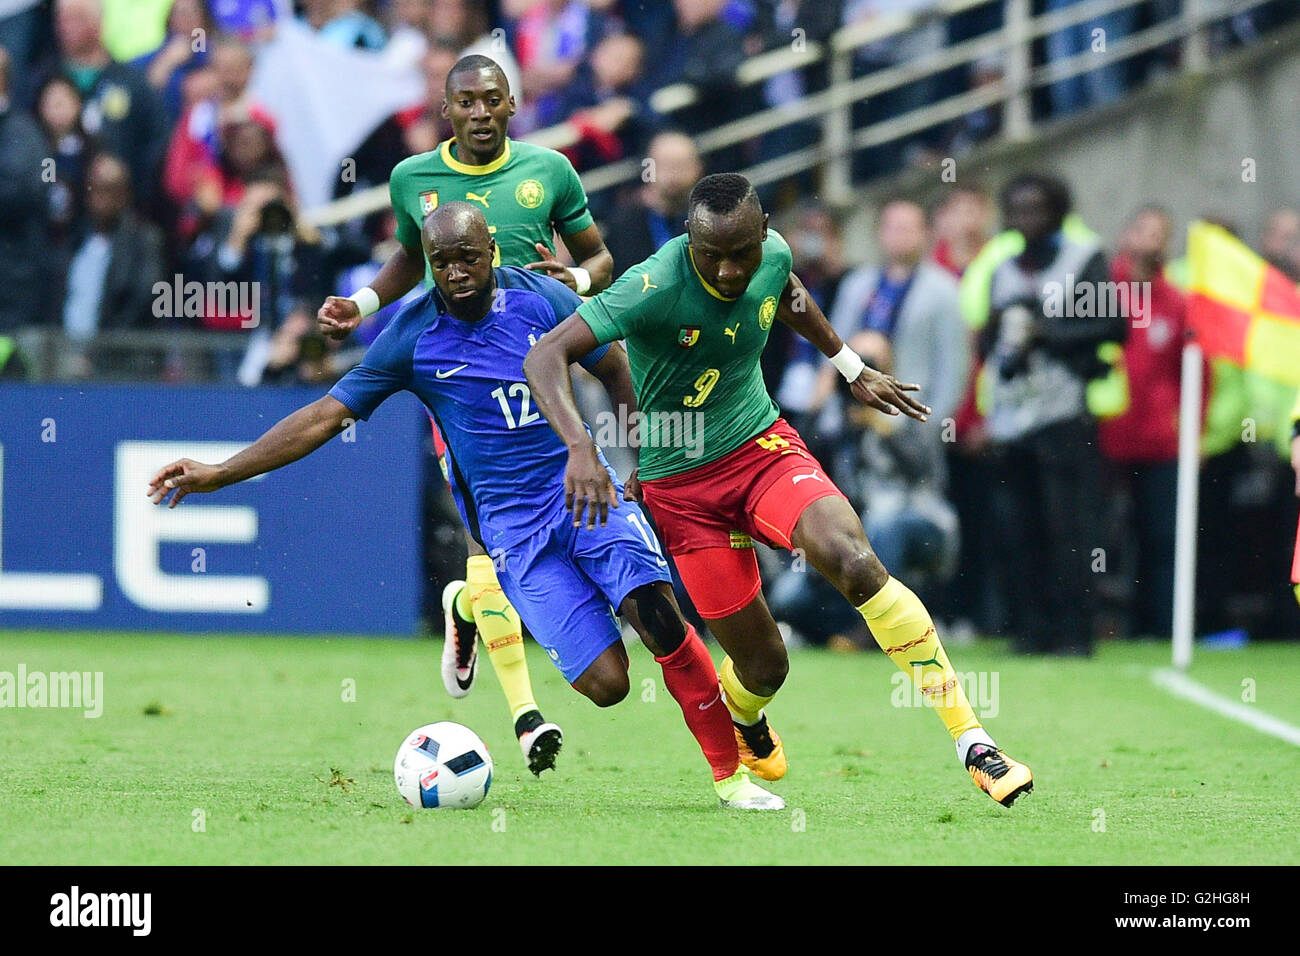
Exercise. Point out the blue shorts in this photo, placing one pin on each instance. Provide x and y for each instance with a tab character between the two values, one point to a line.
566	582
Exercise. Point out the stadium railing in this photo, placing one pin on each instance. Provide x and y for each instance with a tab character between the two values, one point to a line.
832	107
191	355
129	355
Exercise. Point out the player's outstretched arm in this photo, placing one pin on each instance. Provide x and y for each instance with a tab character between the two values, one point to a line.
339	317
587	488
293	437
875	389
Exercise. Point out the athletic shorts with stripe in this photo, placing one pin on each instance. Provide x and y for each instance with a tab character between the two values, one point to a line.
707	516
566	583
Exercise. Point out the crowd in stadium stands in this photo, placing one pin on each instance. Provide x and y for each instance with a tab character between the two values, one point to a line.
167	165
1034	449
162	87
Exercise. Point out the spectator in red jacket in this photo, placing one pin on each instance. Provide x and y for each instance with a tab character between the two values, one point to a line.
203	171
608	102
1142	443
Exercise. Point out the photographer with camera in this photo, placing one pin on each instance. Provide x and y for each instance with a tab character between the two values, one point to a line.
1048	318
300	355
275	261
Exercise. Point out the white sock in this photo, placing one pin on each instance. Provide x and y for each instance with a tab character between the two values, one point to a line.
967	740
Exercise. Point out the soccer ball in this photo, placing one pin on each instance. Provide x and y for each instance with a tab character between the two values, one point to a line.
443	766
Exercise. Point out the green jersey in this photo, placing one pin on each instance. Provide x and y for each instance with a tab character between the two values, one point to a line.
694	353
526	194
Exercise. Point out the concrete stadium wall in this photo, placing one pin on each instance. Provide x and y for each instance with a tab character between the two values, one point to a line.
1181	143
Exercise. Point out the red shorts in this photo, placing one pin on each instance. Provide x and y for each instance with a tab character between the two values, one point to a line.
439	446
440	450
707	516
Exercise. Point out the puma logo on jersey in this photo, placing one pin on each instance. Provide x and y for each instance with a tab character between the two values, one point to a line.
648	285
477	198
449	372
798	478
732	332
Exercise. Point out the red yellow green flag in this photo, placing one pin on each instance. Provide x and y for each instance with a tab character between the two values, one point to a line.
1241	308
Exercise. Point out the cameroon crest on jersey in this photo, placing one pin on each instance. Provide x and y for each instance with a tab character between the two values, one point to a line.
428	202
530	194
688	335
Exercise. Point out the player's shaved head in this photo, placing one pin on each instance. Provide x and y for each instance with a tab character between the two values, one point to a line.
475	64
459	248
456	221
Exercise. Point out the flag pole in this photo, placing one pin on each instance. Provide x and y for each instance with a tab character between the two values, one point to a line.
1189	456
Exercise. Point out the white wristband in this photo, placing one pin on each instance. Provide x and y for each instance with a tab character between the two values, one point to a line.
581	279
849	363
367	300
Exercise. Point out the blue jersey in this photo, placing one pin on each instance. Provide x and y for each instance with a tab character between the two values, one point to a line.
506	465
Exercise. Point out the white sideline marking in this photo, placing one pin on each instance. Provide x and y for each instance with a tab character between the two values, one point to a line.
1180	685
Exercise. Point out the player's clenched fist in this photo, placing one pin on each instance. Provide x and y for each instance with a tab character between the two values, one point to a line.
338	318
887	394
587	488
182	477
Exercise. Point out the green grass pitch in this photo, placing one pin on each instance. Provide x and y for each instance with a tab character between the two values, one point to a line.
241	735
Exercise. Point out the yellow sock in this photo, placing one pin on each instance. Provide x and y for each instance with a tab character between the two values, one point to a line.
902	627
464	606
745	706
498	626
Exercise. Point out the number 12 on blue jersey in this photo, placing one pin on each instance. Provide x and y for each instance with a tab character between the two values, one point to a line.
526	414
